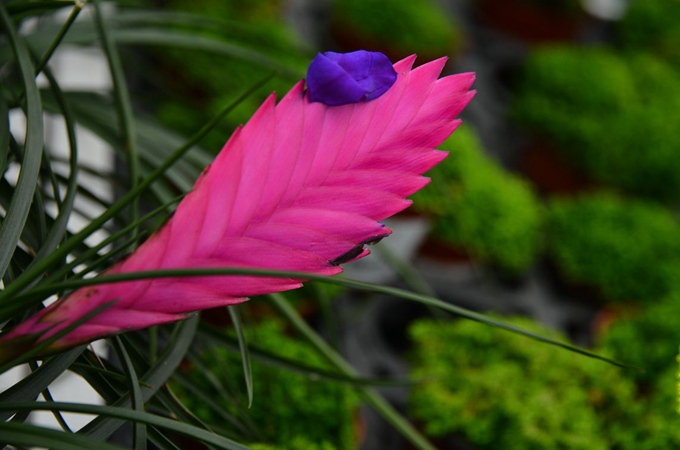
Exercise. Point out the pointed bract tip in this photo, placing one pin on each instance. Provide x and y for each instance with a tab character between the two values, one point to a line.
405	64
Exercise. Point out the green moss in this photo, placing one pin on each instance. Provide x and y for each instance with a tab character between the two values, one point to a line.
296	444
491	214
650	422
287	407
403	26
501	390
613	116
647	339
652	26
626	248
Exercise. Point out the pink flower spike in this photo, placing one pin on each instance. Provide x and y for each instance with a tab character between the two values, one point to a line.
301	187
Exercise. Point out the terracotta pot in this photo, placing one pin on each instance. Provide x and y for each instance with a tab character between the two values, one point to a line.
549	170
610	314
529	22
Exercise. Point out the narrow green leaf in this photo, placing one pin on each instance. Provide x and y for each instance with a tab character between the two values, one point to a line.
32	385
243	348
314	373
139	436
11	228
123	105
209	401
127	415
77	367
160	440
395	292
58	228
60	36
4	134
32	436
81	259
170	401
47	395
159	373
98	378
371	396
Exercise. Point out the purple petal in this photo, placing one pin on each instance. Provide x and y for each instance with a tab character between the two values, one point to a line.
341	78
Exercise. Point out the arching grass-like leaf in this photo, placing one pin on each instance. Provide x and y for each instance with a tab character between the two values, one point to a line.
127	415
243	349
31	385
139	437
33	436
371	396
395	292
158	373
123	104
12	226
272	359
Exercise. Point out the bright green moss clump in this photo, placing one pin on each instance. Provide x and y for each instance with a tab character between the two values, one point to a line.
629	249
613	116
647	338
400	27
289	410
296	444
478	206
500	390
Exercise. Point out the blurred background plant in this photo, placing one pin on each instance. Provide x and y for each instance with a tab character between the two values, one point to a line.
478	207
557	207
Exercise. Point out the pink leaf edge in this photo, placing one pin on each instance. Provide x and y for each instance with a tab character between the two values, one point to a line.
301	187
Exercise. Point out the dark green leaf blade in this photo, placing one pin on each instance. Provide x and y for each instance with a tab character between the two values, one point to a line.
12	226
243	348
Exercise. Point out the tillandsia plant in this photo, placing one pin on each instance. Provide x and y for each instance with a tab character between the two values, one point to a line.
302	187
297	191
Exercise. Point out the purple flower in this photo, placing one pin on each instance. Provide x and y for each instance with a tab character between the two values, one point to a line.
340	78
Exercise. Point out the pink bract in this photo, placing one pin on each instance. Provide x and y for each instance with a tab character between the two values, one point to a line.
299	186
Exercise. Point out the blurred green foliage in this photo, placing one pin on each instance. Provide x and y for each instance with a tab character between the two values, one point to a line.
478	206
298	443
289	410
399	28
613	115
629	249
652	26
199	85
500	390
646	338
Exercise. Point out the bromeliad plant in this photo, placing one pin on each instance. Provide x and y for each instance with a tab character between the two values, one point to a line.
300	188
296	192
